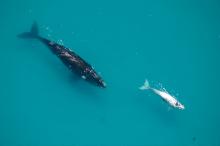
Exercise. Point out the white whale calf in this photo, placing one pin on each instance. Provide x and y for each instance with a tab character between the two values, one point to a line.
171	100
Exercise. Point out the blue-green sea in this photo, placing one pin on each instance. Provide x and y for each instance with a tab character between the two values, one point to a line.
175	44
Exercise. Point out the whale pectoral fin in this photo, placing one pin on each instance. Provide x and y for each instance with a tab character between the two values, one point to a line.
164	100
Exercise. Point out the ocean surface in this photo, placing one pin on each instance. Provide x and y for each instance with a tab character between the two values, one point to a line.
173	44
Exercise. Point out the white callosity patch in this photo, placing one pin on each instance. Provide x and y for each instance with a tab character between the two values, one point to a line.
83	77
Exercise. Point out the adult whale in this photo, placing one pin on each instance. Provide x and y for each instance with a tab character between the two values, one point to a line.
73	61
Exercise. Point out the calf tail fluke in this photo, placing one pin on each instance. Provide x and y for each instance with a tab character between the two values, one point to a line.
32	34
146	86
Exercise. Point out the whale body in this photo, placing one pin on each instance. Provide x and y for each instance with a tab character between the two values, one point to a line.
73	61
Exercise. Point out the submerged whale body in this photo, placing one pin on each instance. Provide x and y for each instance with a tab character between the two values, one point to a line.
73	61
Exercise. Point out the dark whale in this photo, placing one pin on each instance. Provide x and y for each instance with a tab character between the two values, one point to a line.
73	61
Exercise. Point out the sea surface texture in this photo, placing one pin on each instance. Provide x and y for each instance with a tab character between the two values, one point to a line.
174	44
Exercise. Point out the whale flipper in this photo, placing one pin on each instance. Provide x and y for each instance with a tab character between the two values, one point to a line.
32	34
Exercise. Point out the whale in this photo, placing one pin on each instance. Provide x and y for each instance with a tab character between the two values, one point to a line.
73	61
171	100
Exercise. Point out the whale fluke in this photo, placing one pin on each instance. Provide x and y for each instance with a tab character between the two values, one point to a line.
32	34
146	85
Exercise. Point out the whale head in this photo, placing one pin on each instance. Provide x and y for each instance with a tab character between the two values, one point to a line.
94	78
179	105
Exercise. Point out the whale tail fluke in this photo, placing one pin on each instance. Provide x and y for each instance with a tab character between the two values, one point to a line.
146	86
32	34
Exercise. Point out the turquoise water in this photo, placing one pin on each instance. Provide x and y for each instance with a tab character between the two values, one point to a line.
173	43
